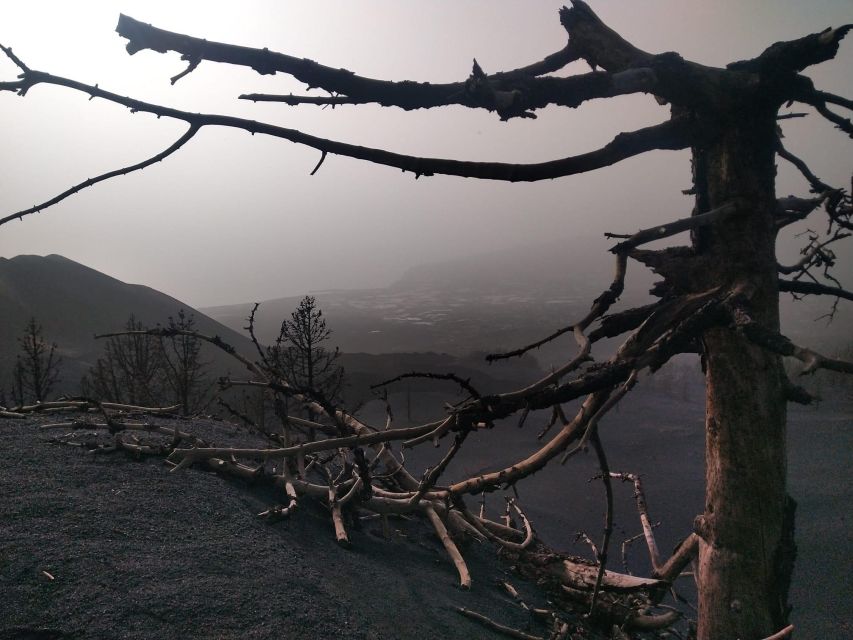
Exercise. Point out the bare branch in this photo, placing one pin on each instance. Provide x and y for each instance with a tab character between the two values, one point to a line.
293	100
597	43
358	89
780	344
682	556
600	306
642	509
673	134
180	142
515	98
672	228
608	517
431	477
813	288
804	91
15	59
842	123
814	254
494	626
462	382
796	55
817	185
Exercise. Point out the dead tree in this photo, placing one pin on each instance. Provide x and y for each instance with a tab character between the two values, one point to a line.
719	296
184	371
300	355
36	369
130	371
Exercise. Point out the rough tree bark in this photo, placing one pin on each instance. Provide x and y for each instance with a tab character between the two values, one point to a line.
742	577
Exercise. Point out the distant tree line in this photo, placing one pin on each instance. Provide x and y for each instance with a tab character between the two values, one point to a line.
144	369
300	358
140	369
35	373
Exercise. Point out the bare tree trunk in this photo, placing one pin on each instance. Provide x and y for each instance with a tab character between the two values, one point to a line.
746	550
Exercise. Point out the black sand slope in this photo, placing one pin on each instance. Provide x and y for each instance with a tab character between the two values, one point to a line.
136	552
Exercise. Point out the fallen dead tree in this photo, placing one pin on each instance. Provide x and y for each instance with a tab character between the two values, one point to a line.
348	465
82	405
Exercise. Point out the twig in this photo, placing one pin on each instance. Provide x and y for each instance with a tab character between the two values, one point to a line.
608	518
500	628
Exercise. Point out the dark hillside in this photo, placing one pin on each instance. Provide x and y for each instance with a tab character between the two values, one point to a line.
73	302
133	551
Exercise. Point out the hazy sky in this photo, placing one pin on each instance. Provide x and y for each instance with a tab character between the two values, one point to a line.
234	218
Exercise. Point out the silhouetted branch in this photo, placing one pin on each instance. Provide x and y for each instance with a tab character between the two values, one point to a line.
796	55
462	382
777	343
293	100
494	626
814	254
180	142
673	134
608	517
516	97
599	307
340	82
817	185
807	94
671	228
813	288
792	209
842	123
834	99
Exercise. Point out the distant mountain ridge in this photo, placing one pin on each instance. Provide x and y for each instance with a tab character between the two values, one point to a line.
501	300
485	302
73	302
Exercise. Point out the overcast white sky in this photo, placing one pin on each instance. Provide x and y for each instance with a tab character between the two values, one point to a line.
234	218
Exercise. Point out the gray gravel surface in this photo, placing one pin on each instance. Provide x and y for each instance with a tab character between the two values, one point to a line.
137	552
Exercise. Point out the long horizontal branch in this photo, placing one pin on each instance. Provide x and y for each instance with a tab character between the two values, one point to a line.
517	97
672	134
672	228
313	446
813	288
405	94
292	100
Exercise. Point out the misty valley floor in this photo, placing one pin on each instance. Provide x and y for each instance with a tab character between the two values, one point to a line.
136	552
